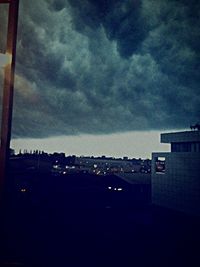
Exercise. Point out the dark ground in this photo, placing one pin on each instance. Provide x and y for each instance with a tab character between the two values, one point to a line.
55	226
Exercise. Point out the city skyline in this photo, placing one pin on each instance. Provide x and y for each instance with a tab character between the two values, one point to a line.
131	144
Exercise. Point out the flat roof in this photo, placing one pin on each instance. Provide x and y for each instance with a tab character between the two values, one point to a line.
179	137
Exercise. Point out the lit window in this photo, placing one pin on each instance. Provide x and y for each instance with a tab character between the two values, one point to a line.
23	190
119	189
160	165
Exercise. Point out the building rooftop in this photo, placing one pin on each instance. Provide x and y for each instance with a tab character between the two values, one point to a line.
179	137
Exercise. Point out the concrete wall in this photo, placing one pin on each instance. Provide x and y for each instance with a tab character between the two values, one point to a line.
179	187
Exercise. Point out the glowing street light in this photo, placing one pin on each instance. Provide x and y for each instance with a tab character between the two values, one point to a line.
7	61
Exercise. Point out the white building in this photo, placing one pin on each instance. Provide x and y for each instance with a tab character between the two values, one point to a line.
176	175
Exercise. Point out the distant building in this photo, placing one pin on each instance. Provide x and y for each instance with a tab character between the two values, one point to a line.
101	165
176	174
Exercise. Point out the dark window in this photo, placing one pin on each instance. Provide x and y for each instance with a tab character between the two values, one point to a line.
185	147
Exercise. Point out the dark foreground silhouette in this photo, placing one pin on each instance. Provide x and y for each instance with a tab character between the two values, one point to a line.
76	221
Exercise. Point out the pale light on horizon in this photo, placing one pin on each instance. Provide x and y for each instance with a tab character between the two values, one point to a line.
137	144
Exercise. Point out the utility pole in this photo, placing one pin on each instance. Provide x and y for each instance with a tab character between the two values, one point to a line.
7	103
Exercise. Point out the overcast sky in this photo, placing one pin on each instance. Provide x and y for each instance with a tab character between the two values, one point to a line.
106	67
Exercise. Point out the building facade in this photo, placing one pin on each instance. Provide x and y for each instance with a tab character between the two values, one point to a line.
176	174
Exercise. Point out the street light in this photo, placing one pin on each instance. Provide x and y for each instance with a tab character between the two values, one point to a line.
7	60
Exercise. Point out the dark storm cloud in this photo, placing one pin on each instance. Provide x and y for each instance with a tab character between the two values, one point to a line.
106	66
122	21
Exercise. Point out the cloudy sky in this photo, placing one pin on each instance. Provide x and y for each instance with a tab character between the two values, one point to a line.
106	68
